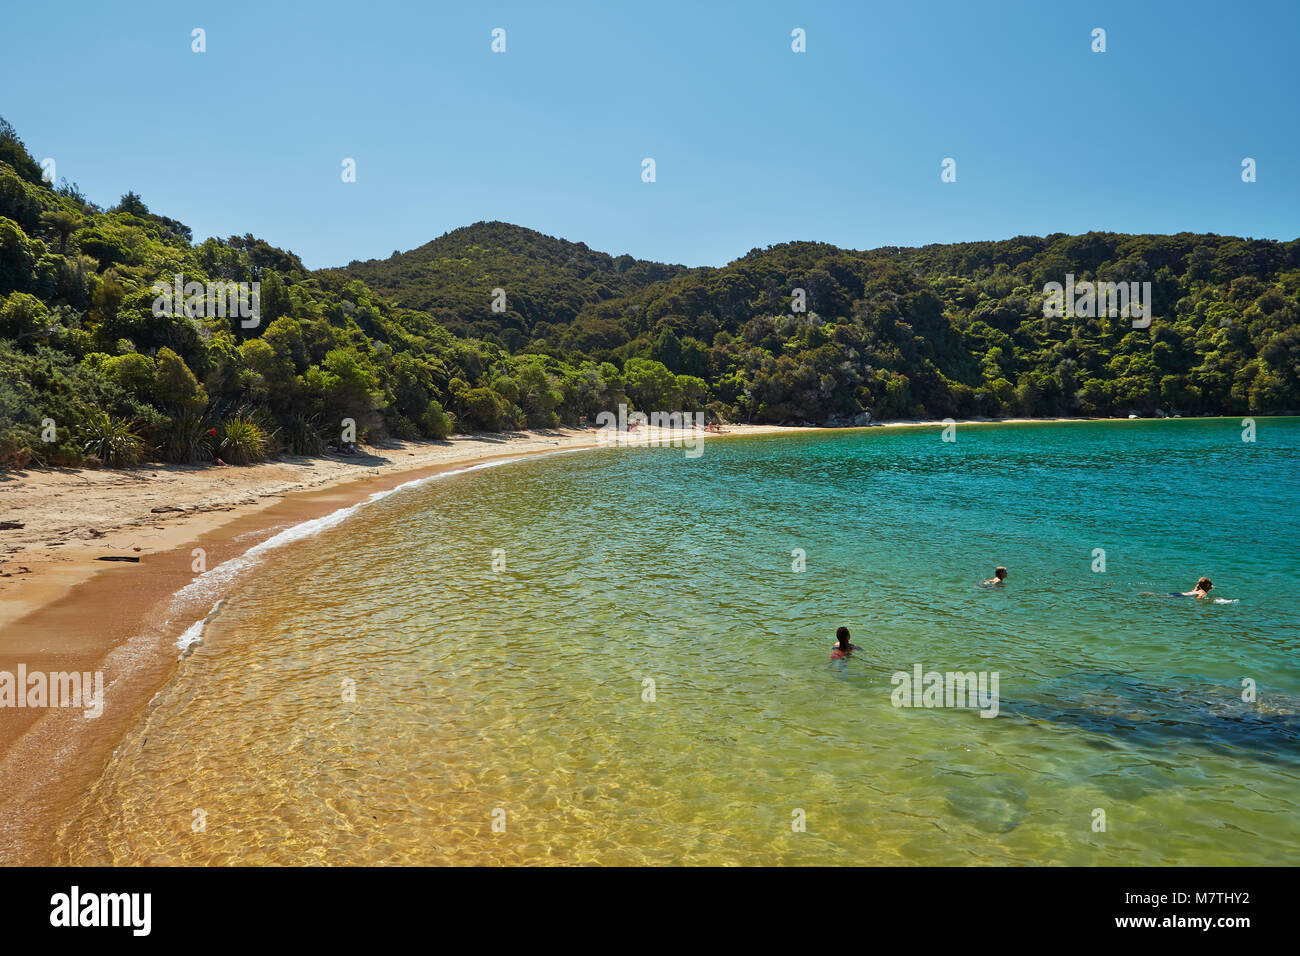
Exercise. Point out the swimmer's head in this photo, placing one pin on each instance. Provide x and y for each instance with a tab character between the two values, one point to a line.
1000	573
842	635
1204	584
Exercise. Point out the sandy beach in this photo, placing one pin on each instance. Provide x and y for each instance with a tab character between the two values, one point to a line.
64	609
70	519
63	523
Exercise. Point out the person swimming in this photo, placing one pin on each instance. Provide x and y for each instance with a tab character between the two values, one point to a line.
842	650
999	575
1202	589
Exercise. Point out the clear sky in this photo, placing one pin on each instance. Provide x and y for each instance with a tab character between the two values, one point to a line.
754	144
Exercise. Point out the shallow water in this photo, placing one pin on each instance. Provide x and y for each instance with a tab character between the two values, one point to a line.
519	696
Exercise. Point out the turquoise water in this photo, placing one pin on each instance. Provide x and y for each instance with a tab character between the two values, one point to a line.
520	695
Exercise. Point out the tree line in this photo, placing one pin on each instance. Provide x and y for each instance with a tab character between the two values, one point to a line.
495	327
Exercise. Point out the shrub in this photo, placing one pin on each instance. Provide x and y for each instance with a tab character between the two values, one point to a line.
133	371
241	441
187	438
435	422
64	455
174	384
15	450
272	439
484	409
302	436
18	256
112	440
22	315
104	244
402	427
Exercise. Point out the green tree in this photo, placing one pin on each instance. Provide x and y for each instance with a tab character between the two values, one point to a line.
174	385
651	386
63	223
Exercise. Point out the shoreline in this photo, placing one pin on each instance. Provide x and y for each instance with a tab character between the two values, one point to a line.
73	518
70	611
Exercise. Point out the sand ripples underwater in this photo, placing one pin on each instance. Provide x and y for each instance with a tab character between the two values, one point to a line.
378	693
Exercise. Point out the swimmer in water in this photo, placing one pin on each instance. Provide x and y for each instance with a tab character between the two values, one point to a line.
842	649
999	575
1202	589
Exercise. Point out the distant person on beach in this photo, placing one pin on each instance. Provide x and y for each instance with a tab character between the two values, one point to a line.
842	648
999	575
1202	589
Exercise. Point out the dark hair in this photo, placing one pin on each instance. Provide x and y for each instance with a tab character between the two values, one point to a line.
842	635
999	568
1205	584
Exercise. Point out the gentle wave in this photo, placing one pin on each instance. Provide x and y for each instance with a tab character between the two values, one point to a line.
209	582
193	635
646	679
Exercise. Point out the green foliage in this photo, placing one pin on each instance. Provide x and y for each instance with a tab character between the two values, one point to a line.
187	438
19	257
483	409
651	386
343	386
435	423
108	243
44	390
133	371
174	385
131	203
959	330
112	440
241	441
22	315
411	345
302	435
547	281
21	201
15	450
15	155
63	223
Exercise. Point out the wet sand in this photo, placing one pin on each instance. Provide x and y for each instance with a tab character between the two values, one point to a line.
65	610
62	609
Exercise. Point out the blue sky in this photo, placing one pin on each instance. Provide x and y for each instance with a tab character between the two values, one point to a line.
753	144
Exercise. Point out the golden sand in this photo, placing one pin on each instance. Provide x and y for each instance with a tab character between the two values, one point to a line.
63	609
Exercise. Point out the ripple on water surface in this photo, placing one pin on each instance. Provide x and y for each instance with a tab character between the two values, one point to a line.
377	692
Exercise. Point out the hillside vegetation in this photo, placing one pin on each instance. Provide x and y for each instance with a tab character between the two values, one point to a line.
411	346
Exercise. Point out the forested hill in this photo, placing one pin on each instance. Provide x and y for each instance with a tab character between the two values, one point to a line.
547	280
960	329
94	370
